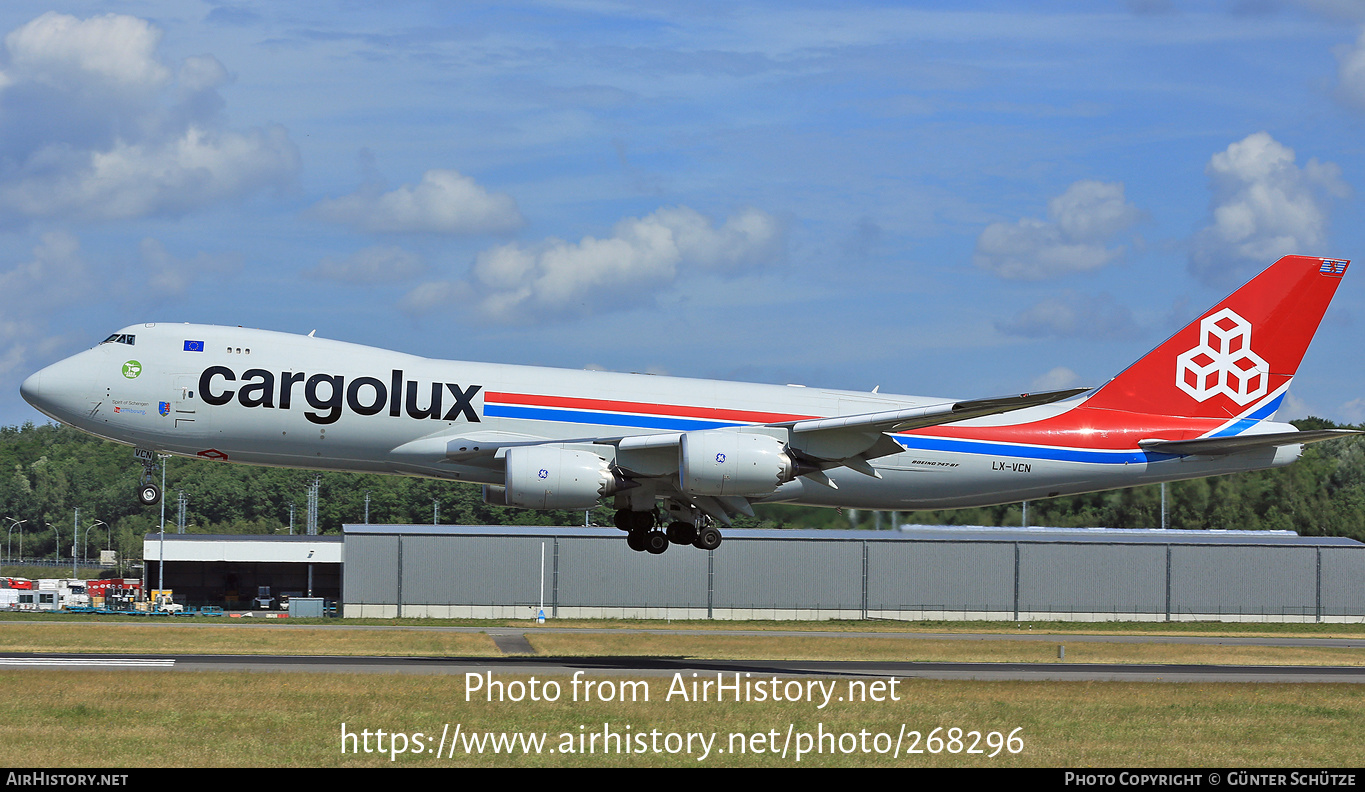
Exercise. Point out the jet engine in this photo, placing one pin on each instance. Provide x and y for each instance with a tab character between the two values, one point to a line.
547	477
733	464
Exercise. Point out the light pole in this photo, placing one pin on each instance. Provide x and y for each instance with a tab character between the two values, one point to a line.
10	538
57	534
161	561
85	545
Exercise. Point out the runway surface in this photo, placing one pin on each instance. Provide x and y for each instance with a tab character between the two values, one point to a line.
496	632
519	656
655	666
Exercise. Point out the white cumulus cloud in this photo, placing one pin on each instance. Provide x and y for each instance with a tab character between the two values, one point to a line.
445	202
512	283
171	176
94	125
1081	223
1352	411
110	51
1264	206
1057	379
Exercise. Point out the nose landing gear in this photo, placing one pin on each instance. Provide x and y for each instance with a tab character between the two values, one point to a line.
148	493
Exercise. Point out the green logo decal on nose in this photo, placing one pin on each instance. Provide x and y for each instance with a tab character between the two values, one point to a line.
131	369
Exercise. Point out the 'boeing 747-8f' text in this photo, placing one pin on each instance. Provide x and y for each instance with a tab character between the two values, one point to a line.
690	454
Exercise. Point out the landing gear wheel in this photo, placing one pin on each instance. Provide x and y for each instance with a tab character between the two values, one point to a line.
149	494
635	540
682	533
656	542
628	520
708	538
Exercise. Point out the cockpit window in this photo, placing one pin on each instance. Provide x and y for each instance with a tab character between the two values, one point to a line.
121	338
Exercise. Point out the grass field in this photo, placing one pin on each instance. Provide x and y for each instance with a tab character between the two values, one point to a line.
283	719
210	719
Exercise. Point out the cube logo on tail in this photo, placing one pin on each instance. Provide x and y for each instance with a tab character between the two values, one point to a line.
1212	367
1223	362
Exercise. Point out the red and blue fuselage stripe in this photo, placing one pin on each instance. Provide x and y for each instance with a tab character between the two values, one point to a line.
682	418
714	417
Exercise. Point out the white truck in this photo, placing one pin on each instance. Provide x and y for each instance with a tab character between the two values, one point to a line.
163	603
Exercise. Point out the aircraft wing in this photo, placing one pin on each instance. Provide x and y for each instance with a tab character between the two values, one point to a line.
830	440
813	445
820	444
1221	446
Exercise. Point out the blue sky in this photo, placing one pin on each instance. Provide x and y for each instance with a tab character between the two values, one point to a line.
952	199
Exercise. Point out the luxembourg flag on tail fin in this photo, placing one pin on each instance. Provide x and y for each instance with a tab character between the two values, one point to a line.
1334	267
1237	359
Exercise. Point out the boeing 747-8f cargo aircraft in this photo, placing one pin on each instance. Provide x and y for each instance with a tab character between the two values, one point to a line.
690	454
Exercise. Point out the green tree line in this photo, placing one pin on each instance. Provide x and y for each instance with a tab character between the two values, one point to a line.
48	471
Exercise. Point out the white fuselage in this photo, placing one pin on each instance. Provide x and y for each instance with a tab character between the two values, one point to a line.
269	398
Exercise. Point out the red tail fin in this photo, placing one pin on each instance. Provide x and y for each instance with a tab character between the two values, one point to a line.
1239	356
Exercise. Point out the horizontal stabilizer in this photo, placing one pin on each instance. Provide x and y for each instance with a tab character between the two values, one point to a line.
1219	446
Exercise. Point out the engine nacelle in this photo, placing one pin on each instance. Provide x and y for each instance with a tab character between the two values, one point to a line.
732	464
545	477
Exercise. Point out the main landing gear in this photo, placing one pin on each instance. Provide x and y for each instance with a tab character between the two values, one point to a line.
643	536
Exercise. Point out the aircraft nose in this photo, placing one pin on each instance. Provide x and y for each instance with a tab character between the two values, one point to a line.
32	390
55	390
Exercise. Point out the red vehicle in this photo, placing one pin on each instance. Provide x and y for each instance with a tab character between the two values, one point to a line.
115	592
16	583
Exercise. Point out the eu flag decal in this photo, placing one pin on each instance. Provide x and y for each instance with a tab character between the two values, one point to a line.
194	346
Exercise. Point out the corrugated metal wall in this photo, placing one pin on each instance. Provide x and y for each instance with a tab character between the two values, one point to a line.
476	570
370	576
1236	580
606	573
1092	578
1343	584
940	576
805	577
789	575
